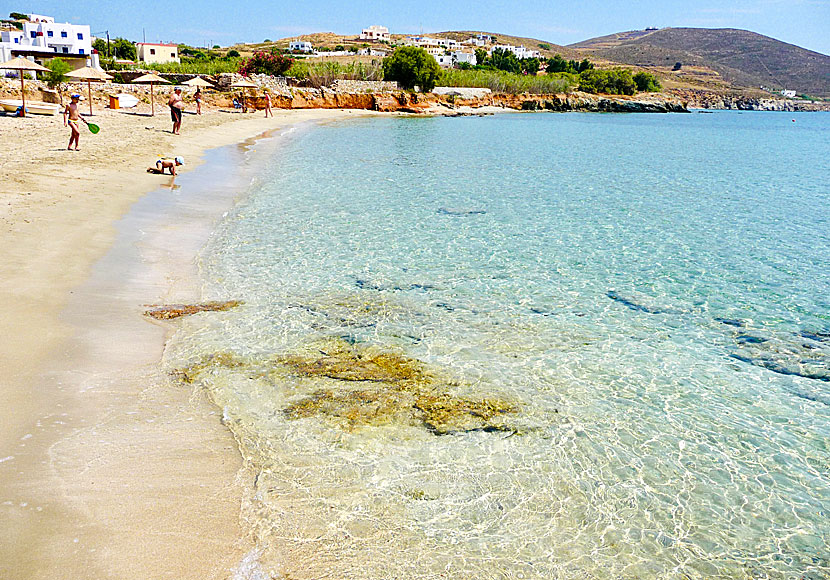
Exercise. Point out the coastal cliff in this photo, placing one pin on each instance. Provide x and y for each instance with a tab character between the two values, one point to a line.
448	104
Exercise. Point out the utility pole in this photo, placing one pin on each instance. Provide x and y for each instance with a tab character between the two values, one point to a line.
108	43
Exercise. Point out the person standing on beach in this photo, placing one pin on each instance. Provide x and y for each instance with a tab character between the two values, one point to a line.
74	116
176	104
268	105
198	97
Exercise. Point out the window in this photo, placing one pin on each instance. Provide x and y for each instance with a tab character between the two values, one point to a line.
33	34
152	51
80	51
172	55
50	34
65	49
80	36
63	34
17	40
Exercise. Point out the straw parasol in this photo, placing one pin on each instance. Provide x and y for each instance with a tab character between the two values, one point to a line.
244	83
198	82
151	79
89	74
20	65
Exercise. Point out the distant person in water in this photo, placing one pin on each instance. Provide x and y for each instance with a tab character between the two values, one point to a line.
165	164
71	110
198	97
268	111
176	104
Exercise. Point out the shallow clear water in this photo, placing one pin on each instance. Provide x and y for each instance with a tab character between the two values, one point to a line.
651	294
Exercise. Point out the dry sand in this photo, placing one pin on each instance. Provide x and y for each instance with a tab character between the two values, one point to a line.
106	469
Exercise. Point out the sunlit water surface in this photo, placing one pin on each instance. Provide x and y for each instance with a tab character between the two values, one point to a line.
651	293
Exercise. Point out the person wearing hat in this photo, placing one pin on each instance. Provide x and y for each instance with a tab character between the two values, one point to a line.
74	115
166	163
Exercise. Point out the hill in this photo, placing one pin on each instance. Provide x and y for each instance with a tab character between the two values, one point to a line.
739	57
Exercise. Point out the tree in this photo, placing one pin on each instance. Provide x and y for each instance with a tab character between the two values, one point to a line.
411	66
530	65
123	48
233	53
646	82
677	66
505	60
216	46
18	16
100	45
557	64
57	74
481	57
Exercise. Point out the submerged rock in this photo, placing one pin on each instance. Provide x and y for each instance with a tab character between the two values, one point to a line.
356	385
459	212
171	311
634	305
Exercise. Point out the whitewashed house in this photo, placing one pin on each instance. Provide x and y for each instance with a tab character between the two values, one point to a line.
300	46
157	52
430	45
451	59
520	51
375	34
788	93
42	39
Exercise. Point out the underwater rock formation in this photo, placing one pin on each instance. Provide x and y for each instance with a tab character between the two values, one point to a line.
356	386
459	212
634	305
171	311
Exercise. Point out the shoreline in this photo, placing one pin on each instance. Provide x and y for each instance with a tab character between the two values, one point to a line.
105	468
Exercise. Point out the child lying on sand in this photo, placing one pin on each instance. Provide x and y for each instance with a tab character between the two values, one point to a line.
165	163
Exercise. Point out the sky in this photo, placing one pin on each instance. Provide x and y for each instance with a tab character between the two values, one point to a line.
805	23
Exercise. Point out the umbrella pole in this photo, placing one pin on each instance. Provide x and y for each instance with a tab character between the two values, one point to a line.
152	102
89	88
22	94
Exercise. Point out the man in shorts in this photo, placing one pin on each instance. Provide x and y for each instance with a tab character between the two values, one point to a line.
176	104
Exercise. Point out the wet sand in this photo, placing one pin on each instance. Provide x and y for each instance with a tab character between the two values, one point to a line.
107	469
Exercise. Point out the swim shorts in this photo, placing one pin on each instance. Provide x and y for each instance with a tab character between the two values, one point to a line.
176	114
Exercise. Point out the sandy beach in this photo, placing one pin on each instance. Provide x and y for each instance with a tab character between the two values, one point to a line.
106	469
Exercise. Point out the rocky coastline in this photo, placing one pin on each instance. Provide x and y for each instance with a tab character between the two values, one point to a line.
701	99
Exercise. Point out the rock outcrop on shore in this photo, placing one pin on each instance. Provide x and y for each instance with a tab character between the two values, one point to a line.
701	99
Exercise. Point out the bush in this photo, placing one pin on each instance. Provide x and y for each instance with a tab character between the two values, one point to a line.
233	54
57	74
504	82
323	74
269	63
411	66
616	81
646	82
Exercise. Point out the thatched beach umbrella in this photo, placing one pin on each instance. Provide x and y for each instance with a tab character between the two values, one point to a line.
20	65
151	79
89	75
198	82
244	83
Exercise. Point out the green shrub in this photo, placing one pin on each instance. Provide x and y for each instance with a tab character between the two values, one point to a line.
646	82
504	82
233	53
57	74
616	81
411	66
323	74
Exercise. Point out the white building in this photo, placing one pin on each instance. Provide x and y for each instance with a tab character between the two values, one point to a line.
42	39
520	51
788	93
300	46
449	60
375	34
430	45
479	40
448	43
371	51
157	53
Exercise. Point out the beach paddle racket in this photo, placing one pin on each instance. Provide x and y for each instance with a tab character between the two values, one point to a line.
93	128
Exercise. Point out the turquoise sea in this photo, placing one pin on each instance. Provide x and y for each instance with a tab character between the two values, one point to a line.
642	300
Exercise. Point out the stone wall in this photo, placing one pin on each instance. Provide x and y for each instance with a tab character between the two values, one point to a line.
353	87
